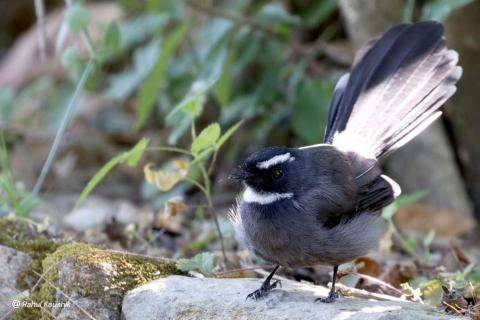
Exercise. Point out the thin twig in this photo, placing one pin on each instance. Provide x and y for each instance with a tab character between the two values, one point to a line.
235	18
233	271
377	281
42	35
61	130
364	294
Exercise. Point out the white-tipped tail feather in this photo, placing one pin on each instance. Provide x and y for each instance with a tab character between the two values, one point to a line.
394	92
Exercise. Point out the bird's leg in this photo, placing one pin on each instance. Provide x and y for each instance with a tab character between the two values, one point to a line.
332	295
266	286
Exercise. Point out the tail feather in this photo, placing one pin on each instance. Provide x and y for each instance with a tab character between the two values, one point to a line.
396	88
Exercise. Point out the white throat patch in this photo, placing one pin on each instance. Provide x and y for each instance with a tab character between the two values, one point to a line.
252	196
281	158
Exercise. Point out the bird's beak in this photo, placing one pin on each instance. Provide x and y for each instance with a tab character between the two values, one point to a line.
240	174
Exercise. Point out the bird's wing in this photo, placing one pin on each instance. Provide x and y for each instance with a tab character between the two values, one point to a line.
373	190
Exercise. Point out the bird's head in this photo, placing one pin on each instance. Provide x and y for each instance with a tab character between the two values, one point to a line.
269	170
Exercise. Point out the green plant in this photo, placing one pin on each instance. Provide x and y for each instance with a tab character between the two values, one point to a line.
410	244
201	159
202	262
13	196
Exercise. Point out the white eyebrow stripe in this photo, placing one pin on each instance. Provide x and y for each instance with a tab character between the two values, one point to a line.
252	196
281	158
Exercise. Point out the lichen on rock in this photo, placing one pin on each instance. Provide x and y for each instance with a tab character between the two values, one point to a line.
78	278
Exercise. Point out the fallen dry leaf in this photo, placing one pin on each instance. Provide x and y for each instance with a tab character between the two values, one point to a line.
166	179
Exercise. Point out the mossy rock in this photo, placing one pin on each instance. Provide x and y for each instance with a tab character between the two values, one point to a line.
94	280
26	237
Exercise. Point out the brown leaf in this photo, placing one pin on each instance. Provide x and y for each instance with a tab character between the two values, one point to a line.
166	179
368	266
167	220
396	274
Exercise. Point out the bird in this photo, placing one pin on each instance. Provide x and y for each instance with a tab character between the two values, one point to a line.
321	204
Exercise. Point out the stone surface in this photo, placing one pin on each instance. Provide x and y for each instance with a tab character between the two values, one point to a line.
182	298
95	281
96	212
12	264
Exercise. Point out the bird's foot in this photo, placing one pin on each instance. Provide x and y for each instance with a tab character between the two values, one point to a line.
263	291
332	296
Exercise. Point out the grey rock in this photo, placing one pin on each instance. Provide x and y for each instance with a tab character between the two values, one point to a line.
183	298
12	264
96	212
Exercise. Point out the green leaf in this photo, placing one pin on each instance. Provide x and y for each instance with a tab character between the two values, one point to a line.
318	11
131	157
187	265
202	262
126	82
228	134
205	262
223	87
273	13
149	90
193	107
203	154
77	18
207	138
112	38
192	104
136	153
99	176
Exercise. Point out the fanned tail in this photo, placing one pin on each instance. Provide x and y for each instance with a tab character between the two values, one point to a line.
395	90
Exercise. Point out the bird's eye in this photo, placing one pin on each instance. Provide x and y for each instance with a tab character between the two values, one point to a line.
277	173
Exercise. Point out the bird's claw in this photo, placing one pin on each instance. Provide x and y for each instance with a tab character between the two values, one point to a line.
263	291
332	296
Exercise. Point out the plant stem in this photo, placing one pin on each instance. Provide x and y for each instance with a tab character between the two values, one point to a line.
210	206
199	186
61	130
212	163
169	149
